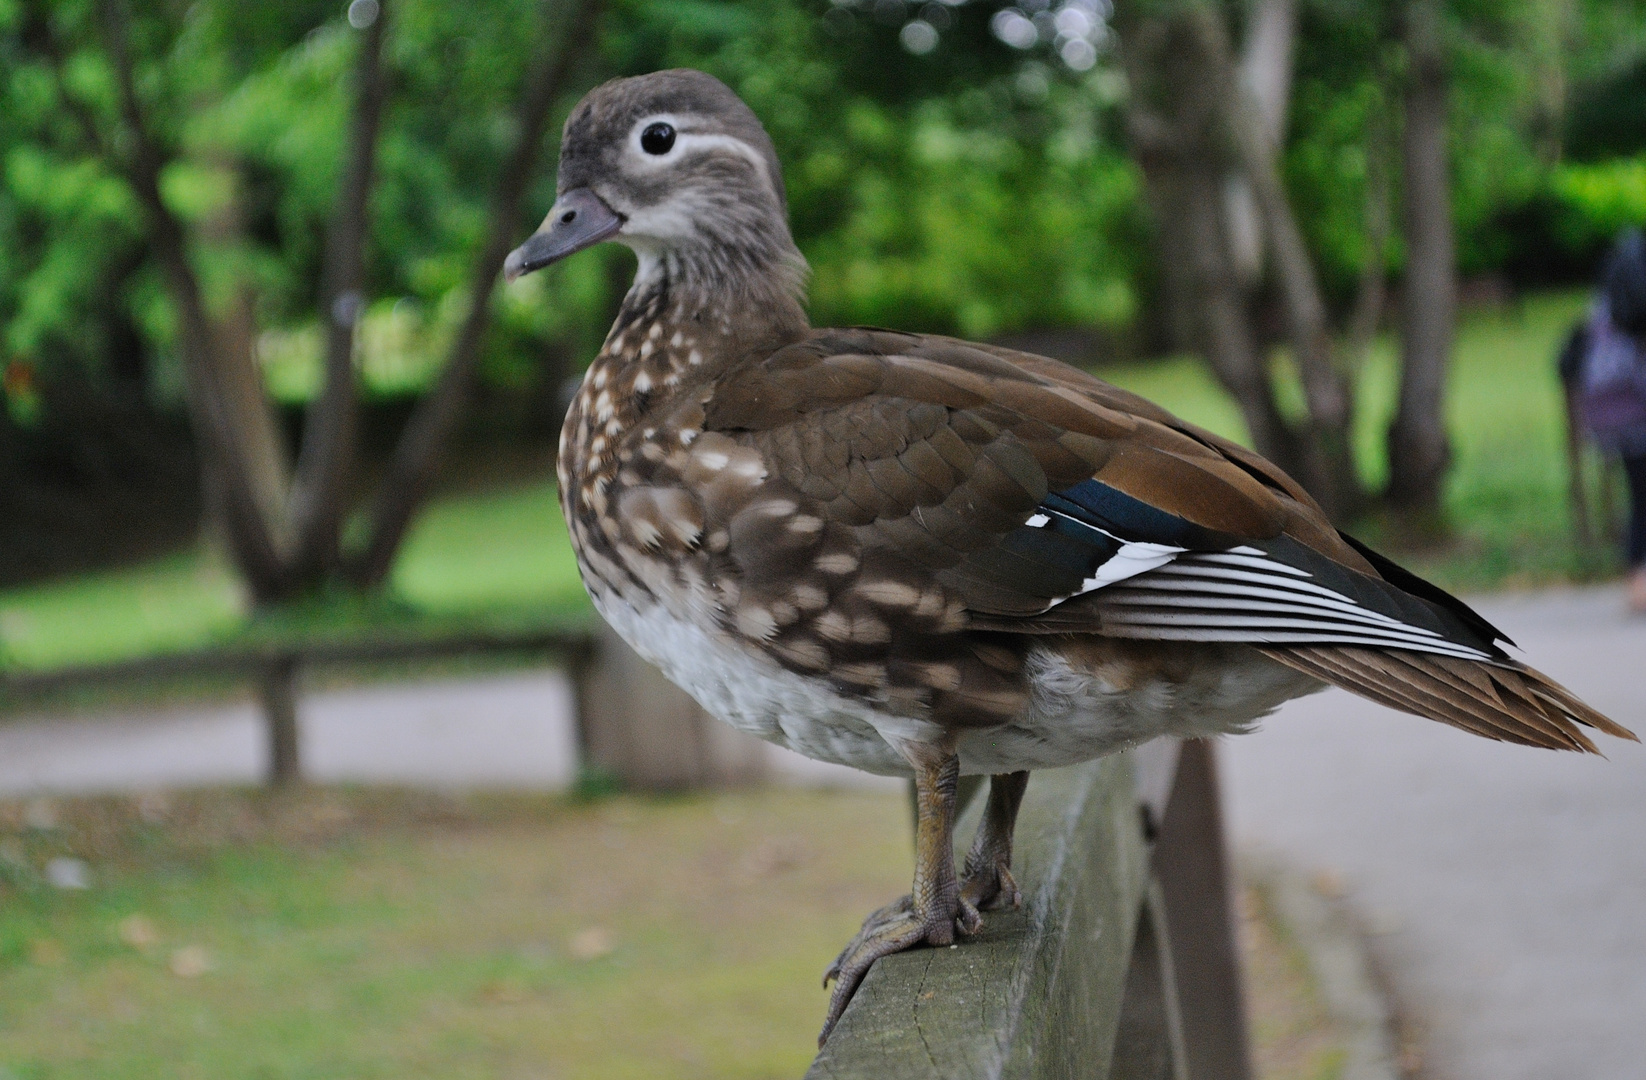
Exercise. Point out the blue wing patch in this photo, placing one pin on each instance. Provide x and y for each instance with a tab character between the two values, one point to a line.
1127	518
1152	574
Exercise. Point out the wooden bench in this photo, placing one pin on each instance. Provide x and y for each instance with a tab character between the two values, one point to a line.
277	672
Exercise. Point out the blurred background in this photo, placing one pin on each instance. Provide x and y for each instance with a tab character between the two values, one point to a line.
271	420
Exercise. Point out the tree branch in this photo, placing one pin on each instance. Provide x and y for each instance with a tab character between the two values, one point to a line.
249	532
417	456
1326	390
320	490
46	39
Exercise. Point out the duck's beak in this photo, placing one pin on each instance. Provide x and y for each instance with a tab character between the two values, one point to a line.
578	219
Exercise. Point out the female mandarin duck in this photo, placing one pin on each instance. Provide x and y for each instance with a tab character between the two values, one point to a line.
922	556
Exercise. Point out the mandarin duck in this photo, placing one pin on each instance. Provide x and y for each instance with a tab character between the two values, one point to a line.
926	557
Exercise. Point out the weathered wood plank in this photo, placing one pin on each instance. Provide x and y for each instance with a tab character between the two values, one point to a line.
1038	994
1193	869
279	691
250	662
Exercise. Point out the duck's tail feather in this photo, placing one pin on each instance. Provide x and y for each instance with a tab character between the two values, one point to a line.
1497	700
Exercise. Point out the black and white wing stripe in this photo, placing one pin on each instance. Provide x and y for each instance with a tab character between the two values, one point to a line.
1246	595
1137	571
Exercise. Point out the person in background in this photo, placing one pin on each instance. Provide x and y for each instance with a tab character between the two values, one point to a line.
1603	365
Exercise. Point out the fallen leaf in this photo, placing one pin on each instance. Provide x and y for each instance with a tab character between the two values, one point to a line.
591	944
503	992
138	932
1329	884
775	857
68	873
153	806
190	962
40	815
46	952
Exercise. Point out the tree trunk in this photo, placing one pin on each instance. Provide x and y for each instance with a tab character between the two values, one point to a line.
1327	457
319	497
228	472
1232	347
1173	123
1265	71
1266	64
286	539
1371	294
1419	450
1194	123
417	457
250	415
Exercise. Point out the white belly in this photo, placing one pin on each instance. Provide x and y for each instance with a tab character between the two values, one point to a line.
1079	713
1073	716
755	694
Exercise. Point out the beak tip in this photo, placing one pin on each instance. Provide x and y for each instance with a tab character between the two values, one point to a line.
513	267
579	219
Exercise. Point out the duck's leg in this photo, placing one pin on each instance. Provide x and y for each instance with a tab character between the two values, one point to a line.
987	883
935	910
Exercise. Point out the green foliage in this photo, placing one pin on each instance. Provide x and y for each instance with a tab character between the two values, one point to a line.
1342	97
1599	200
925	191
974	190
1507	63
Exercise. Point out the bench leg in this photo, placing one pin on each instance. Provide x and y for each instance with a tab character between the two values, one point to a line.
279	694
1192	865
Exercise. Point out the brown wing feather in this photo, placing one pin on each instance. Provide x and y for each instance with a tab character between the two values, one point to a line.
921	453
1511	702
937	449
1304	520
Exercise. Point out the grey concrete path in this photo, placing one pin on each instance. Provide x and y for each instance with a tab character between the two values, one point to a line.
500	731
507	730
1505	886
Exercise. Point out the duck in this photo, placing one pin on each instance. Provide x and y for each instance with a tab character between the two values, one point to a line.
931	558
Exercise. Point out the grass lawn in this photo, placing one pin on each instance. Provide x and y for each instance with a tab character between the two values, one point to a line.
330	935
363	934
504	554
498	556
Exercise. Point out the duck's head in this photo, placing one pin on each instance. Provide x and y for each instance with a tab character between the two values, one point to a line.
677	167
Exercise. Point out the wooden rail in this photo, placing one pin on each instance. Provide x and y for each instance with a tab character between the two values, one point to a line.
632	724
1120	965
277	672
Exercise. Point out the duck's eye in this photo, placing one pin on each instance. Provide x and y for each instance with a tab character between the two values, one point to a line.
657	138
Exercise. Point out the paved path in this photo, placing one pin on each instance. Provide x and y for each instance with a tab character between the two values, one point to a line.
1509	884
512	730
507	730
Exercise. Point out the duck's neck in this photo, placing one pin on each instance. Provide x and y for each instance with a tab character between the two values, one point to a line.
679	328
685	316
